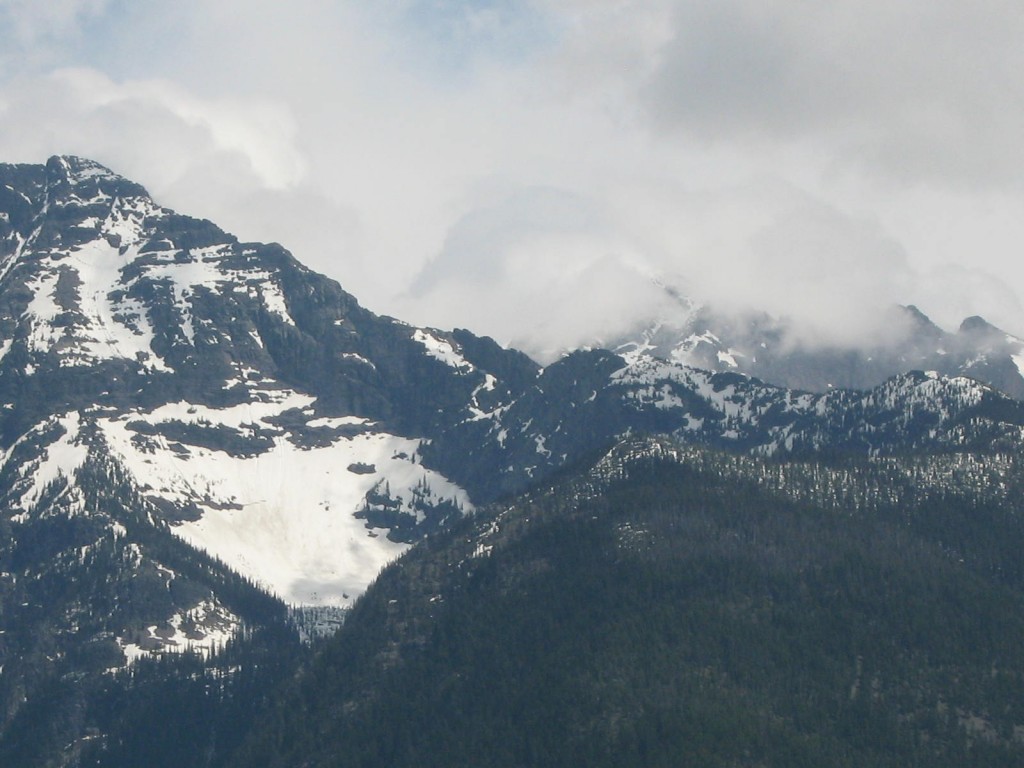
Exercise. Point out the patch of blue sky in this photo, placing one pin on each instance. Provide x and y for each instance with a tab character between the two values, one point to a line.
453	36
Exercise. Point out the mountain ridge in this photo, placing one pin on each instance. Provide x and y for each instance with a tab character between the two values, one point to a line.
197	432
671	604
223	373
773	350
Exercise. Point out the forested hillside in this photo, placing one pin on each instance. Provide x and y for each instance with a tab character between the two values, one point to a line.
677	607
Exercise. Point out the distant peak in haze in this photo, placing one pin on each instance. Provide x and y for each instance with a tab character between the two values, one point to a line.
976	325
777	350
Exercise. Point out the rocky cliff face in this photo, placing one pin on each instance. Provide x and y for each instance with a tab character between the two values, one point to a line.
246	395
194	432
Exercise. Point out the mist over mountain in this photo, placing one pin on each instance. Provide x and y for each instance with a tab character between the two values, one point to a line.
211	451
784	352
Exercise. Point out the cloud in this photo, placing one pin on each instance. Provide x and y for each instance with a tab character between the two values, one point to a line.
480	246
233	160
527	168
916	90
85	111
832	275
31	23
453	37
541	253
582	272
957	292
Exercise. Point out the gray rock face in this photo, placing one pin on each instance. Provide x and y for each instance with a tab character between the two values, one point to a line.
225	386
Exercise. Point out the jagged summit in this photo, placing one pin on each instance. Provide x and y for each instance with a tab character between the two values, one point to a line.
189	422
976	325
921	325
252	409
74	191
768	348
76	171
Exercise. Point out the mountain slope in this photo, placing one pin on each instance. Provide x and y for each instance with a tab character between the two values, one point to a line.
589	399
228	379
95	582
164	388
275	423
678	607
195	432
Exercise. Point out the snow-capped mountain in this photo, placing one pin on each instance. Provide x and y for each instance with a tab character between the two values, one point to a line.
592	398
197	432
759	345
264	414
253	410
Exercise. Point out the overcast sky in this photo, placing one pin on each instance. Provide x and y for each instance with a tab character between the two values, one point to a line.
531	169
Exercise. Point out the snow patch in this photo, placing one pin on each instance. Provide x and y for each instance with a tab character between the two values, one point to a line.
284	517
203	629
61	458
1018	360
441	349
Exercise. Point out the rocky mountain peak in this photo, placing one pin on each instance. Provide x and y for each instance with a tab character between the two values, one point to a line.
178	408
770	349
70	172
977	326
921	326
242	392
267	418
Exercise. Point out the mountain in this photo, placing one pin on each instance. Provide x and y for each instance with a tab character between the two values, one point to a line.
208	449
674	605
770	349
195	432
229	380
590	399
234	386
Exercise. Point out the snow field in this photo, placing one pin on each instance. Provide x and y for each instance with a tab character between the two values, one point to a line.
285	517
60	458
442	350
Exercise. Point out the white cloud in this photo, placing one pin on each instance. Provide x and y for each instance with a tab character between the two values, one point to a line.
31	22
165	127
916	90
559	262
524	168
958	292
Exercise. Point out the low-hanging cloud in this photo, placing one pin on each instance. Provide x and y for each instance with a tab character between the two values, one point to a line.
531	170
85	111
584	274
558	260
